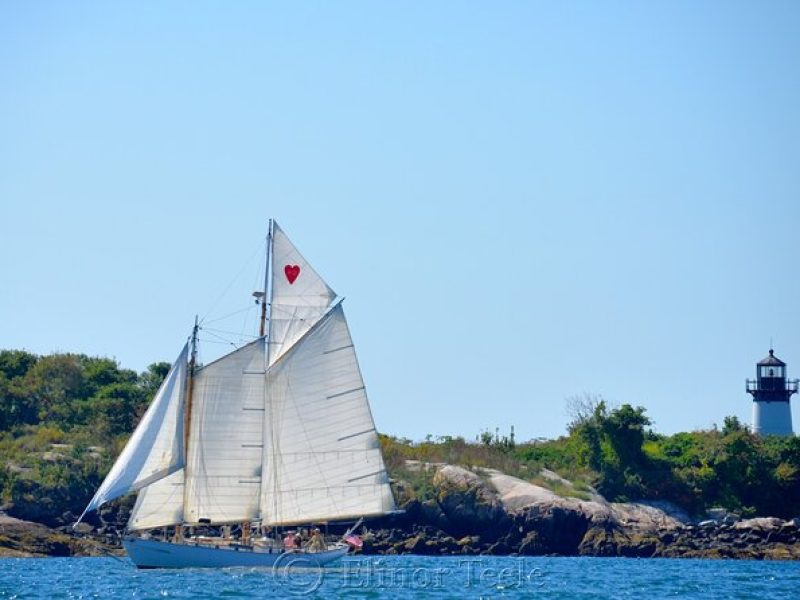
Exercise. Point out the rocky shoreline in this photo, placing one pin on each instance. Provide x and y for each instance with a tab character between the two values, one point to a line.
26	539
485	512
490	513
780	542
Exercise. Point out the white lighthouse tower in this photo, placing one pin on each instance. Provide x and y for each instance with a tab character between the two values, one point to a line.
771	391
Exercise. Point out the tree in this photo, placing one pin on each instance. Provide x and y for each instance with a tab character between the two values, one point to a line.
16	363
101	372
610	444
16	404
624	429
116	408
53	381
582	409
151	379
732	424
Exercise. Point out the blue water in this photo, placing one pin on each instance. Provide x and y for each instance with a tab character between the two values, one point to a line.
410	577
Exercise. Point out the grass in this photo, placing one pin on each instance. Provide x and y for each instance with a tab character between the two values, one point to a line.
521	462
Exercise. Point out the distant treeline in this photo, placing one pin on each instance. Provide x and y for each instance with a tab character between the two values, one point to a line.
65	417
63	420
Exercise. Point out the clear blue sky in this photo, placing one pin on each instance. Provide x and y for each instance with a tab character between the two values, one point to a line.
521	201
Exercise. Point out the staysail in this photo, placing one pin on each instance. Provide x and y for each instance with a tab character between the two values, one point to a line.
299	296
159	504
155	449
322	458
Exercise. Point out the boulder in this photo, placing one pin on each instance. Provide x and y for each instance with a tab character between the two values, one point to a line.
469	503
759	524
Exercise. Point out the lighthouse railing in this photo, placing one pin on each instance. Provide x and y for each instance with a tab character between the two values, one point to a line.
771	384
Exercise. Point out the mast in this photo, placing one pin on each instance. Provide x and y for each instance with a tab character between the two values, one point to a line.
262	331
267	394
264	298
187	413
187	417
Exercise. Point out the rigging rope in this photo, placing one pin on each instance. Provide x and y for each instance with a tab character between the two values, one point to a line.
232	314
259	250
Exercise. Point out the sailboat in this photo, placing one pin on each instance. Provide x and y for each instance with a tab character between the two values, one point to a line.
276	434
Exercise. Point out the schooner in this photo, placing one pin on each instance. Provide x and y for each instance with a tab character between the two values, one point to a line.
276	434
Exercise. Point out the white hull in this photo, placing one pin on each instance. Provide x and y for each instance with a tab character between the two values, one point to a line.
154	554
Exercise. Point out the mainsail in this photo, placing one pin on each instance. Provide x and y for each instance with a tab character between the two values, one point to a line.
280	430
322	453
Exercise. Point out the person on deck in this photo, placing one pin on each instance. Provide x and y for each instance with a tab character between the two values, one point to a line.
289	542
316	544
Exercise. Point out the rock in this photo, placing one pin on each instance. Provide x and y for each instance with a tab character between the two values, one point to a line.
599	541
447	545
83	528
532	545
468	544
560	530
639	545
20	538
716	514
497	549
649	516
470	505
431	514
416	545
759	524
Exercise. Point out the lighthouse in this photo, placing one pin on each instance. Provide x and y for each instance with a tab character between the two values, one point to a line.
771	391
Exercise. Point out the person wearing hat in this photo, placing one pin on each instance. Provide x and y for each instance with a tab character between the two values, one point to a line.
316	544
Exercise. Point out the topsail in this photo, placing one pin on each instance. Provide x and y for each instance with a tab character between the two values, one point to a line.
299	296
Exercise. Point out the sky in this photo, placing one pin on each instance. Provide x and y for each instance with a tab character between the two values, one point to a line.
522	202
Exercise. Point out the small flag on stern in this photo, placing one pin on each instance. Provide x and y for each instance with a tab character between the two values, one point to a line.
354	540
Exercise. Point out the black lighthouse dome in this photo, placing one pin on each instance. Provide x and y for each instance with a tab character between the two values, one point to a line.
771	367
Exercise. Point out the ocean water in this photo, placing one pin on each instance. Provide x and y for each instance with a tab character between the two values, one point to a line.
410	577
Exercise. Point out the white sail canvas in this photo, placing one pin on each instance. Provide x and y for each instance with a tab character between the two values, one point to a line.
223	465
299	295
155	449
160	504
322	458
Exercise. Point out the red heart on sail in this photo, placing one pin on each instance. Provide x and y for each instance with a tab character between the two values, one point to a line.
291	271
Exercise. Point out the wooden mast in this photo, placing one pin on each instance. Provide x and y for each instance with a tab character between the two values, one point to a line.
187	416
262	331
187	412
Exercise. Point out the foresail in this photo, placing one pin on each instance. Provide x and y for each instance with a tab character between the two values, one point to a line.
223	472
155	449
299	296
322	459
159	505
